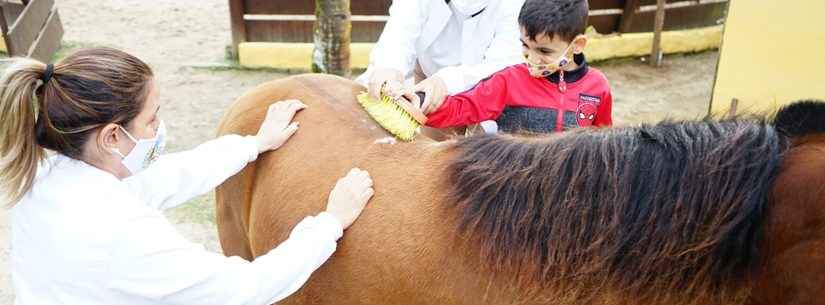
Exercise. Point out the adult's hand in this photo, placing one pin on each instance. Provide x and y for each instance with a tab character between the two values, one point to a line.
278	127
349	196
393	79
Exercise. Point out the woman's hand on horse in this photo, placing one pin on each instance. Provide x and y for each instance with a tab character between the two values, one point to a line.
389	80
349	196
278	127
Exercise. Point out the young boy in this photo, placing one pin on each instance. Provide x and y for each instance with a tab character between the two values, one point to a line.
548	93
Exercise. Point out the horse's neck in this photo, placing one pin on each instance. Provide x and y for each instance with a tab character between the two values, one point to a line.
814	140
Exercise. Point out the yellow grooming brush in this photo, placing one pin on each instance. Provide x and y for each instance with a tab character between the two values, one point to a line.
399	117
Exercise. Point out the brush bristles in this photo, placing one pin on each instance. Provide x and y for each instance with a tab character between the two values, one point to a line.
390	116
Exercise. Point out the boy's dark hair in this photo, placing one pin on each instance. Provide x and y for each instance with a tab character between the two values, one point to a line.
566	18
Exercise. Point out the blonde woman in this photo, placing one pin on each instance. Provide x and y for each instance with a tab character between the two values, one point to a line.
87	226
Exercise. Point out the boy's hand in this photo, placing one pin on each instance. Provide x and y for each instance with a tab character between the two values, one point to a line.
435	91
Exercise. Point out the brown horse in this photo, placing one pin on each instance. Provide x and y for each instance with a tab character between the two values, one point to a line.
706	212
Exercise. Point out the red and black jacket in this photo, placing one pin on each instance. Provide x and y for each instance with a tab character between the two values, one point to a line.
520	102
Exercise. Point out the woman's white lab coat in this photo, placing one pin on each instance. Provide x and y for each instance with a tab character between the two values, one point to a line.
489	42
82	236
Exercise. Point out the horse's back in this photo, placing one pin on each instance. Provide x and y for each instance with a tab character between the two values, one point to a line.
329	99
401	242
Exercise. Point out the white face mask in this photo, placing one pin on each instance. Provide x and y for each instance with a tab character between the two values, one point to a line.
145	151
468	7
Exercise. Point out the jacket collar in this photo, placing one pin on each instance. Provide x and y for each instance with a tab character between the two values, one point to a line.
572	76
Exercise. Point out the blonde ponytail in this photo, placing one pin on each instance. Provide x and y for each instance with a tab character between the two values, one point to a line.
19	152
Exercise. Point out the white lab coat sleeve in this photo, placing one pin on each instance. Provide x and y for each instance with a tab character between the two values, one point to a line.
152	263
395	48
504	51
175	178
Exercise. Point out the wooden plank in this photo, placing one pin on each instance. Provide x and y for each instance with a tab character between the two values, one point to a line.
373	7
239	33
11	11
681	18
630	8
25	29
653	2
680	4
377	18
301	31
370	7
605	12
734	103
605	4
307	7
604	24
281	17
284	28
48	41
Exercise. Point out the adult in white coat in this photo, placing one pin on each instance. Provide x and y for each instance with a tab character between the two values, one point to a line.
87	222
445	46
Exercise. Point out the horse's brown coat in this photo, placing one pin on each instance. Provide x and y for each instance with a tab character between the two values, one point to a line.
404	249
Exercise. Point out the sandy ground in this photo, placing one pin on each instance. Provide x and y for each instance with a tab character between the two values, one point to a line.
179	37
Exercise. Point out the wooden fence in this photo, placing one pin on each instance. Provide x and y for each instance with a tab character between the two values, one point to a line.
291	21
31	28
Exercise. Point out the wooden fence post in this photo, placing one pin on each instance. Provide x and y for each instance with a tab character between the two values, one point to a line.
236	12
4	26
656	53
734	104
628	13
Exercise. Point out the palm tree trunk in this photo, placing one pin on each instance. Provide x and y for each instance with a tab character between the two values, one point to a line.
332	37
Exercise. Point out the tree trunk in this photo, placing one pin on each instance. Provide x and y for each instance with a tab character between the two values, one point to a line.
332	37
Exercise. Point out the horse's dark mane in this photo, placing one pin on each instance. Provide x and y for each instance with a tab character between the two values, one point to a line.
670	213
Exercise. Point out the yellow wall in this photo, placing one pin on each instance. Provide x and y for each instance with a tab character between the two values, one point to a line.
283	55
773	52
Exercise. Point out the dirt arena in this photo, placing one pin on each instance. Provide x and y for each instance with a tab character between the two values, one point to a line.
185	42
